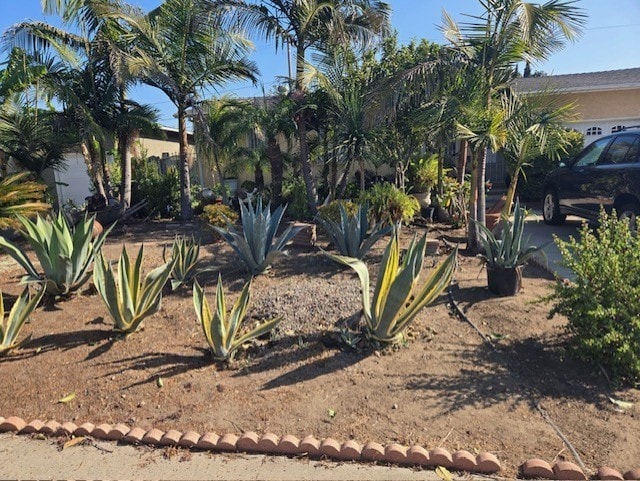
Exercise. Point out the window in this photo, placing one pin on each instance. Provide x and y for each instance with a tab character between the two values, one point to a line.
618	128
594	131
620	150
592	153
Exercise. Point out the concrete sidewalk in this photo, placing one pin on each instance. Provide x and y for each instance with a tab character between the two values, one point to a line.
541	233
26	458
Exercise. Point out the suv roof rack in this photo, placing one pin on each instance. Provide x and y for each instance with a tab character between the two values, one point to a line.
629	127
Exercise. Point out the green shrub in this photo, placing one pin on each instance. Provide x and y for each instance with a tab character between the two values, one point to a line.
331	211
602	304
19	314
390	205
294	194
217	215
161	191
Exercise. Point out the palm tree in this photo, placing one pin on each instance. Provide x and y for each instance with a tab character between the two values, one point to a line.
222	134
181	48
304	25
535	127
273	122
508	32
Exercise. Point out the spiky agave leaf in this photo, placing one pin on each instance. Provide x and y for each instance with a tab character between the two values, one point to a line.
257	245
351	234
129	298
65	253
19	314
221	328
395	302
186	253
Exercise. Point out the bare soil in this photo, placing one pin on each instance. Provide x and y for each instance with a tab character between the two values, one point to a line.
445	387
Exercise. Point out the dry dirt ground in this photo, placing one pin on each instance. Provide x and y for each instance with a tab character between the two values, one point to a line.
445	387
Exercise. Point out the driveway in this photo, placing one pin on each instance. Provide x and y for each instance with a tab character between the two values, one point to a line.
541	233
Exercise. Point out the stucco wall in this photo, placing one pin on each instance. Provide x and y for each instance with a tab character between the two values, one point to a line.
606	105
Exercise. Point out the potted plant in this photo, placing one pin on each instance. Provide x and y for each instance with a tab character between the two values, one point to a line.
423	173
505	253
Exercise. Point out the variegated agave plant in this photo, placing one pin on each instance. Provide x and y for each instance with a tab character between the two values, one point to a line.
221	328
185	252
257	245
395	301
65	252
19	314
351	235
128	297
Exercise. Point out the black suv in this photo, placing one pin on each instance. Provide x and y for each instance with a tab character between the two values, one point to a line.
606	172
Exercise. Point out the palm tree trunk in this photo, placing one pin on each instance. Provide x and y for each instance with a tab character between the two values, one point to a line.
276	162
91	159
185	178
511	193
482	198
125	168
301	121
472	228
106	175
462	161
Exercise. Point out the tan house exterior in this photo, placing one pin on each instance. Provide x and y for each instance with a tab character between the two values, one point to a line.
605	102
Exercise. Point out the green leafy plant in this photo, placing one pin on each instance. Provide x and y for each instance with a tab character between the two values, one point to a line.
130	299
396	301
423	173
351	234
509	248
294	194
258	245
332	211
220	328
185	255
602	303
19	314
218	215
65	252
390	205
20	196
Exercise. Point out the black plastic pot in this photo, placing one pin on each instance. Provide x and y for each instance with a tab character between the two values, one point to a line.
504	281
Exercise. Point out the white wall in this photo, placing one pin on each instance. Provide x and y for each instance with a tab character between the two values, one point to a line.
73	183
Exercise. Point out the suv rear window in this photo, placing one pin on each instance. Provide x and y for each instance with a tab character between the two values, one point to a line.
623	150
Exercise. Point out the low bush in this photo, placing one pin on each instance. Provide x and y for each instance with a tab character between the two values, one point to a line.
602	304
390	205
218	215
294	194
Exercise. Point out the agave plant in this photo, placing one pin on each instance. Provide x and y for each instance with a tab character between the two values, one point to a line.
65	252
185	252
510	249
395	301
258	245
221	328
130	299
20	312
351	234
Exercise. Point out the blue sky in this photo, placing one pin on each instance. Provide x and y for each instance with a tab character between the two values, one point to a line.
609	42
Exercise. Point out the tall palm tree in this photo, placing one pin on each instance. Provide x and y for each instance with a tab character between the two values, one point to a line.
508	32
182	48
305	25
273	123
221	136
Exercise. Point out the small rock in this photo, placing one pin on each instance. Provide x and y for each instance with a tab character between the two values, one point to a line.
395	406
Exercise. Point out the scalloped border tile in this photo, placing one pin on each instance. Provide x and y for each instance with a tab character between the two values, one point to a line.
270	443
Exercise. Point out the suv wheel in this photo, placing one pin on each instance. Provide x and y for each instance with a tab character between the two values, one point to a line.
630	211
551	209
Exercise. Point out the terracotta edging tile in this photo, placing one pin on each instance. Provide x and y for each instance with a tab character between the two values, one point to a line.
134	436
208	441
118	432
248	442
12	423
31	428
268	443
567	470
50	428
102	431
440	457
310	445
418	455
632	474
536	468
153	437
289	445
373	451
171	438
395	453
487	463
227	442
189	439
330	448
350	450
464	461
84	429
67	429
607	473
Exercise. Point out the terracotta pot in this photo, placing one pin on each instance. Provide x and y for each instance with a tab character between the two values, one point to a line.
504	281
97	229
